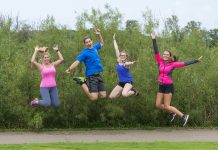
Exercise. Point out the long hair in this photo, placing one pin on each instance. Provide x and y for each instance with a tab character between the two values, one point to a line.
174	58
42	58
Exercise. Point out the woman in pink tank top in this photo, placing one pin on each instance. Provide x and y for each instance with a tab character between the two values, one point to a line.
165	67
48	86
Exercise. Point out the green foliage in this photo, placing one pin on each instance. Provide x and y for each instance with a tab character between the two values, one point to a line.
195	86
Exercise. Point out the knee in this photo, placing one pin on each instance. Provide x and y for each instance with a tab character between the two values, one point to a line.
124	94
159	106
103	96
93	98
112	97
167	107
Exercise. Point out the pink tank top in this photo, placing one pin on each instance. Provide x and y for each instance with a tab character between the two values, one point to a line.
48	76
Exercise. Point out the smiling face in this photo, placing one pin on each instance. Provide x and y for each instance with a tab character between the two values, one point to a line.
166	55
46	58
123	56
88	42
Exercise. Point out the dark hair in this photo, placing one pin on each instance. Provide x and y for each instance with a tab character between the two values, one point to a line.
85	38
174	57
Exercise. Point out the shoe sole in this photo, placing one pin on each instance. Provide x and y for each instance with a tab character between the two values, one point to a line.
186	121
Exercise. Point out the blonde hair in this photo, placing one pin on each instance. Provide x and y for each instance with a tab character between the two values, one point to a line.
42	58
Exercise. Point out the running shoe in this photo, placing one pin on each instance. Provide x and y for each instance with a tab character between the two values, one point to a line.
171	116
184	119
79	80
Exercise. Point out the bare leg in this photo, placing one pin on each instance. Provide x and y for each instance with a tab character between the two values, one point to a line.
159	101
102	94
167	107
92	96
127	90
116	92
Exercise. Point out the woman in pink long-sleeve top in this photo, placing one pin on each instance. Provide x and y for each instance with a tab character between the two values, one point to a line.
166	66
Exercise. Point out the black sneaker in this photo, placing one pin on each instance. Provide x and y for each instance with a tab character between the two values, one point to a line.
184	119
172	116
136	92
79	80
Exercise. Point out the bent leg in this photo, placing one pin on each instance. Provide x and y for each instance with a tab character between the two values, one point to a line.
168	107
116	92
46	100
159	101
127	90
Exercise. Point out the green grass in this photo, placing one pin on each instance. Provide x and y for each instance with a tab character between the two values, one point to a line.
115	146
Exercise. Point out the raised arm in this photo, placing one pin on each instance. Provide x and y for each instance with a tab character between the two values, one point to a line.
156	52
116	47
33	59
100	39
60	57
72	67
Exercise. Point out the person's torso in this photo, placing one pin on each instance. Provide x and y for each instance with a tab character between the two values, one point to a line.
123	73
92	61
48	76
165	72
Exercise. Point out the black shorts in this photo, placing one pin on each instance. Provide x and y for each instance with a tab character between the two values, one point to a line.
166	88
122	84
95	83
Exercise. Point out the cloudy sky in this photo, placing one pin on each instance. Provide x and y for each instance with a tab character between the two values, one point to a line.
65	11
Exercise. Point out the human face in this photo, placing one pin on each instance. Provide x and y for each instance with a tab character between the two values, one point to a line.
46	59
166	56
123	56
88	43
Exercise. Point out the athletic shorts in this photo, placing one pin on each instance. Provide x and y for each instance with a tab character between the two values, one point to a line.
166	88
122	84
95	83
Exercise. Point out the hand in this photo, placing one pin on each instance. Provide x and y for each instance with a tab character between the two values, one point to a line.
56	48
134	62
199	59
153	35
37	48
43	49
98	32
114	36
68	71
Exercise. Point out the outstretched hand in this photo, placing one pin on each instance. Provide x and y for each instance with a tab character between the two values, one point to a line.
133	62
68	71
153	35
199	59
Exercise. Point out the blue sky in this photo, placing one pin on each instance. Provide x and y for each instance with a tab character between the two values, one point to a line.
65	11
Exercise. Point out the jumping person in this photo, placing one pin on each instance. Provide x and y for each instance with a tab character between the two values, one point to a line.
124	86
93	84
166	65
48	86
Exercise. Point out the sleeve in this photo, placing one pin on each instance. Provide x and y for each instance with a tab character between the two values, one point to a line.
178	64
155	46
156	52
183	64
97	46
81	57
190	62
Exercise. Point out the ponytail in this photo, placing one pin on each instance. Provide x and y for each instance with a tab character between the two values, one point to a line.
175	58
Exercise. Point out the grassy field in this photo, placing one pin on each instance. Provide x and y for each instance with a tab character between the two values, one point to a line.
115	146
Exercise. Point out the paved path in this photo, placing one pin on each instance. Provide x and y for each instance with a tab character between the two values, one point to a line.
110	136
